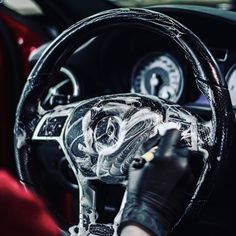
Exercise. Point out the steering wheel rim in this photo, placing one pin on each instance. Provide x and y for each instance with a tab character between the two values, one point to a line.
208	77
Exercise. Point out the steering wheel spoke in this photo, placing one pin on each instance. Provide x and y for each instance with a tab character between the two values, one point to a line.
50	127
196	132
52	123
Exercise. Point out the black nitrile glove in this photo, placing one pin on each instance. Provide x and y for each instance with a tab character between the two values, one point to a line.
156	192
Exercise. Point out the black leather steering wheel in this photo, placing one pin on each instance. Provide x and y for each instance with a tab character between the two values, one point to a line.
101	136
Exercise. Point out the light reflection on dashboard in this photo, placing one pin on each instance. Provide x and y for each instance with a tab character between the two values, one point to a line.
202	100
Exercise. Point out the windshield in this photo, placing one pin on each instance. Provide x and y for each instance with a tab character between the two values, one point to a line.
140	3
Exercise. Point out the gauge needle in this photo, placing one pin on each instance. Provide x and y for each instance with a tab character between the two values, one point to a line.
54	90
153	82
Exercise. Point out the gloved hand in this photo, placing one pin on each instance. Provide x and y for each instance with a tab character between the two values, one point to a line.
21	212
156	191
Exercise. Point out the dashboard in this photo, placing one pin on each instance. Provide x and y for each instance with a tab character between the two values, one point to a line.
133	60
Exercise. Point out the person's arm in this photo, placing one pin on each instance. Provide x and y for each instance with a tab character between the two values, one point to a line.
22	213
156	191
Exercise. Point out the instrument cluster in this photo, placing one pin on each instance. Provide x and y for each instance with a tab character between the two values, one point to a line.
161	74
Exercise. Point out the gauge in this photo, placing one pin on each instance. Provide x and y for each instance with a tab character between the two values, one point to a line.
65	88
159	75
231	80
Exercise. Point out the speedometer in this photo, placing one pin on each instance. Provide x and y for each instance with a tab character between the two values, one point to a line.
160	75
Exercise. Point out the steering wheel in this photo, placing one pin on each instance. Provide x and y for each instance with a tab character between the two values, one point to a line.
101	136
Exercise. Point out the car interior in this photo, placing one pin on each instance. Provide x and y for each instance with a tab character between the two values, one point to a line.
73	72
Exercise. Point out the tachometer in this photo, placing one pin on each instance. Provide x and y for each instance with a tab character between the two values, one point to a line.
160	75
65	90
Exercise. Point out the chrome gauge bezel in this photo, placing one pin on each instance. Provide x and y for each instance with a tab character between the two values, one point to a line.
229	77
149	61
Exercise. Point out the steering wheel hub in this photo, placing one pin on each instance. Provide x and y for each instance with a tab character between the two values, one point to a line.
104	134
